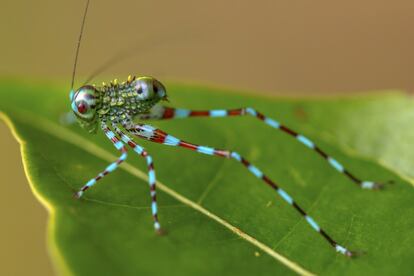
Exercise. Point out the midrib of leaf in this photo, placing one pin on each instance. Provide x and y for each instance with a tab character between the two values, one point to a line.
77	140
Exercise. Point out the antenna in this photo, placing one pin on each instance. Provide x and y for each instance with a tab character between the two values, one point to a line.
143	45
122	55
78	46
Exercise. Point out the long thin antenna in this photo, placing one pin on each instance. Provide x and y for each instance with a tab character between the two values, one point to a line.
120	56
143	45
78	46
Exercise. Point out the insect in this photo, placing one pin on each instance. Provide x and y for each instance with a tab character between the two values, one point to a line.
113	108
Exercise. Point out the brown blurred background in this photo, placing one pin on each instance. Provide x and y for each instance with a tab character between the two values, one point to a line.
291	47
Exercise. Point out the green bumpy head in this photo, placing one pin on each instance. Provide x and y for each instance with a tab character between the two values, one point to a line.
84	102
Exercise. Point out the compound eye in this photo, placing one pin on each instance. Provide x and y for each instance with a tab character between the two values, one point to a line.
82	108
84	103
143	90
159	90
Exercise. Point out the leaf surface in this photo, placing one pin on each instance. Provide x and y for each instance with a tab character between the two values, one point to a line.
220	219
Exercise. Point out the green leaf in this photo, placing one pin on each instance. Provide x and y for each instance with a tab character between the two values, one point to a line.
220	219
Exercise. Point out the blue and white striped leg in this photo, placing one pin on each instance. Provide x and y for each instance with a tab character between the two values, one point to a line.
158	136
113	166
286	197
161	112
151	174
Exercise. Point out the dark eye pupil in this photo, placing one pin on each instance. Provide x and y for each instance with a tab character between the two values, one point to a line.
139	91
155	88
82	108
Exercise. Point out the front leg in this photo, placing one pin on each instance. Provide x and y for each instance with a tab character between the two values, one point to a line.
113	166
151	174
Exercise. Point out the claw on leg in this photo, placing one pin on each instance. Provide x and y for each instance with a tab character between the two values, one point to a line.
160	232
369	185
77	195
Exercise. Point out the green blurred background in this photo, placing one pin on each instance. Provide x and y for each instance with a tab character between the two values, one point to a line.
290	48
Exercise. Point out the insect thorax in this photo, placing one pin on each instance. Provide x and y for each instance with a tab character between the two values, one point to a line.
120	101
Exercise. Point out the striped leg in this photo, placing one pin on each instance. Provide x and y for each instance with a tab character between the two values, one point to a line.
161	112
151	174
156	135
119	146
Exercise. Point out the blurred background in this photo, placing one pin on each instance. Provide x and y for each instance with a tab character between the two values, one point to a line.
293	48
